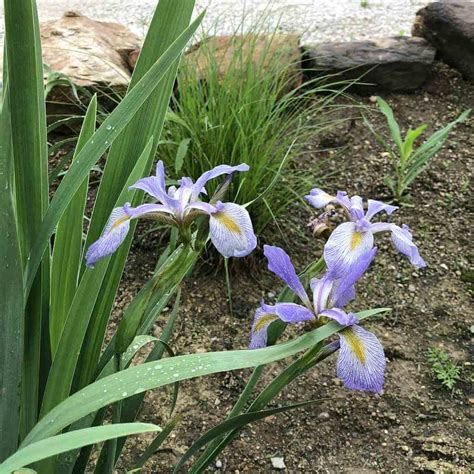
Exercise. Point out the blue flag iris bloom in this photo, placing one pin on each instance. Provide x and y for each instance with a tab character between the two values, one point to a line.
350	240
230	227
361	360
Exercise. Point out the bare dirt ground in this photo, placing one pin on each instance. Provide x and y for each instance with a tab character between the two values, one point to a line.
414	426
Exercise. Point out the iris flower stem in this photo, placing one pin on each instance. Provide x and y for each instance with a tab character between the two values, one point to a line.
228	284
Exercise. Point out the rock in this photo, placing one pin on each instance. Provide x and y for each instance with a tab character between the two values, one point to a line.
91	53
324	415
265	49
393	64
449	27
278	463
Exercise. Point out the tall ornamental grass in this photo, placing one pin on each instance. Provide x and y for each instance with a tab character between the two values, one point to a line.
245	103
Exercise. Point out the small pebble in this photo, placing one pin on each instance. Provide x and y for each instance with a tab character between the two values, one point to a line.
278	463
324	415
218	464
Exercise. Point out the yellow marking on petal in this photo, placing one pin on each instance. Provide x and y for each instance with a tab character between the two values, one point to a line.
228	222
356	240
265	319
119	222
355	343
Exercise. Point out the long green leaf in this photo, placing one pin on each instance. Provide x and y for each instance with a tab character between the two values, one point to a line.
68	243
98	144
66	463
392	123
11	301
65	442
150	375
169	20
65	359
157	442
131	406
28	122
411	136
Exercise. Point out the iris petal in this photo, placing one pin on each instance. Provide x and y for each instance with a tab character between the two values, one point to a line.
231	230
319	198
403	241
214	173
264	316
343	318
290	313
361	361
374	207
280	263
113	235
345	247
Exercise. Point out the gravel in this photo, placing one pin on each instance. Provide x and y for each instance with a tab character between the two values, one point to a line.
315	20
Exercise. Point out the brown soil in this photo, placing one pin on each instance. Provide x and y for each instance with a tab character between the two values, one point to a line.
414	426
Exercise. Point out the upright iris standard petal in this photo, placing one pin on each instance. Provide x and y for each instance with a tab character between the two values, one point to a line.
321	288
344	287
403	241
279	263
361	361
356	208
374	207
231	230
214	173
346	246
113	235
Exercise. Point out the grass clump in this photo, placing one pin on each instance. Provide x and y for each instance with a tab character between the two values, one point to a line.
241	101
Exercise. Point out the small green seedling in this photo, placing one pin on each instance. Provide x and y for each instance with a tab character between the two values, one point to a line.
409	161
443	368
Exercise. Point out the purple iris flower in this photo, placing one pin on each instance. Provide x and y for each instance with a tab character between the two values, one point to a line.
230	227
350	240
361	360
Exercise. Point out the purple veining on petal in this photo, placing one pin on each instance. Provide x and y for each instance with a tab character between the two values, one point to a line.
361	360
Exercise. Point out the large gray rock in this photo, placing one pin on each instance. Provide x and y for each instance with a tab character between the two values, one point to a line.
449	26
393	64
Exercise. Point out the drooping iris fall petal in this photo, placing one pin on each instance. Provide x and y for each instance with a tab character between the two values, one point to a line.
113	235
361	360
231	230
